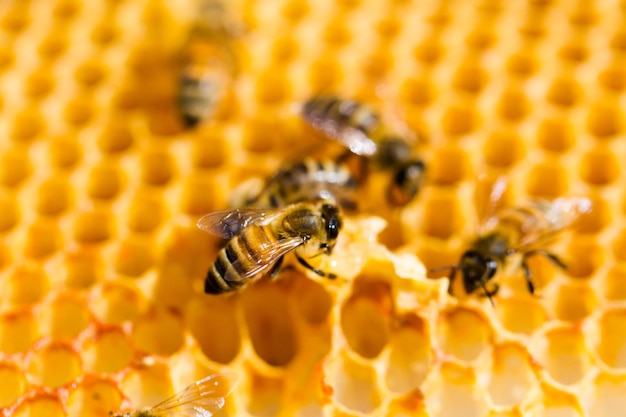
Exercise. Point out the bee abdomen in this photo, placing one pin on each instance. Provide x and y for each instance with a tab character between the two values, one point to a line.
231	268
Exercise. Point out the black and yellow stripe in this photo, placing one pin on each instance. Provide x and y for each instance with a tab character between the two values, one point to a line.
231	269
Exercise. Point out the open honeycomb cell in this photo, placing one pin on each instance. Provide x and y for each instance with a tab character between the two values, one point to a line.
102	268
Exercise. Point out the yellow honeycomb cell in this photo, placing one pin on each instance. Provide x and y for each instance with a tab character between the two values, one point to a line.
102	268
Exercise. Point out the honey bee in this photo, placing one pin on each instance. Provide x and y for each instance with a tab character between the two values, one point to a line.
200	399
522	230
358	128
308	180
261	237
208	63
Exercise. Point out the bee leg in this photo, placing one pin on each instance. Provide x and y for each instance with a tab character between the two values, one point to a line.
527	275
490	294
450	278
317	271
276	268
550	256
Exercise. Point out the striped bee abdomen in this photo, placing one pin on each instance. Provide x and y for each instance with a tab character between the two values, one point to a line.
237	262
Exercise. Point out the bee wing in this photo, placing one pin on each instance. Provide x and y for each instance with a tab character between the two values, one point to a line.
228	223
265	258
488	206
199	399
354	139
557	215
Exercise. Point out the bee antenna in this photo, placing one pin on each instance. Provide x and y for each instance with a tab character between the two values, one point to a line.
443	268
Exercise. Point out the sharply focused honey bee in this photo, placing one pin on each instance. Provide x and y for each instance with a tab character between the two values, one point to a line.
522	230
260	237
208	63
200	399
358	128
308	180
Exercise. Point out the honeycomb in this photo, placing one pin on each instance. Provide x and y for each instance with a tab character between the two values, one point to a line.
101	266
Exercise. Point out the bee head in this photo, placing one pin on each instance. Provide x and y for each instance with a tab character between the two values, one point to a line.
332	225
476	269
406	182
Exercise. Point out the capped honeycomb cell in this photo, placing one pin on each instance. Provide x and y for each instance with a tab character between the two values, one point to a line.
365	321
459	120
39	83
15	167
82	267
40	403
463	333
158	332
512	375
513	104
157	167
209	149
18	331
117	302
92	227
353	384
604	120
521	315
28	284
503	149
78	111
442	217
134	257
615	284
449	164
53	196
410	357
573	302
90	73
12	383
105	181
94	396
564	355
65	152
43	238
211	319
53	364
261	322
547	180
611	338
9	212
65	317
146	212
555	135
418	91
106	350
200	195
273	87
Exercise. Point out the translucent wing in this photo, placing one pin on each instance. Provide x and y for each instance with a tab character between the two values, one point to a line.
199	399
488	205
228	223
336	128
554	217
265	257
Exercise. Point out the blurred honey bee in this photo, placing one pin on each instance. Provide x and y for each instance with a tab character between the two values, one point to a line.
208	63
200	399
521	230
260	237
308	180
358	128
